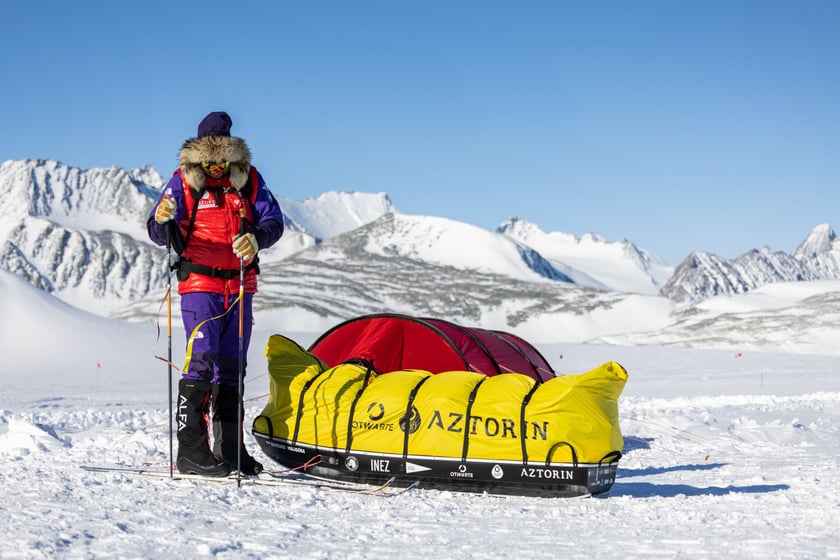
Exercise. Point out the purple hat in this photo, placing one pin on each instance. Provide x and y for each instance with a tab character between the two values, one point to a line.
216	123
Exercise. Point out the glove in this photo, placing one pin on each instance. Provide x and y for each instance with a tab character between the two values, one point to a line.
165	210
245	245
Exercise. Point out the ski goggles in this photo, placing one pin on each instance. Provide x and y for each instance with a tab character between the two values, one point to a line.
214	168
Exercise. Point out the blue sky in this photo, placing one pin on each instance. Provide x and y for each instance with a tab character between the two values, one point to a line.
679	125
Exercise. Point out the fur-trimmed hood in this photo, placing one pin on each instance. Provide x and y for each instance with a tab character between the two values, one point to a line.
215	148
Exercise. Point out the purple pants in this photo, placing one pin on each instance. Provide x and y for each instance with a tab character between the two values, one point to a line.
215	350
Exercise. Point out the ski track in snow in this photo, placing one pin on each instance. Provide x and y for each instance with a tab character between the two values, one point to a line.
702	476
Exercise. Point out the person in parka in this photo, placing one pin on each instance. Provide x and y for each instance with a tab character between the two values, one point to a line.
215	210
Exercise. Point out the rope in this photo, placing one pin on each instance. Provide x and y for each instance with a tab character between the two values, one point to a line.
201	324
163	302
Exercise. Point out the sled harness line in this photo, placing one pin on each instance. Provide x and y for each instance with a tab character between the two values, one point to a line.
315	460
165	360
192	334
198	328
166	300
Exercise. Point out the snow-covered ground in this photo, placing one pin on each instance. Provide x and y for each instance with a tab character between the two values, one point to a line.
727	454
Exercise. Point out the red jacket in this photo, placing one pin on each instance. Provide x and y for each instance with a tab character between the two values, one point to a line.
217	222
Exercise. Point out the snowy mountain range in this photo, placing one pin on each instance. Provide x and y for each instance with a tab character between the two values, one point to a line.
702	275
80	236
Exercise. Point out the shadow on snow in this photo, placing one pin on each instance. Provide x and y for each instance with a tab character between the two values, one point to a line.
649	489
650	471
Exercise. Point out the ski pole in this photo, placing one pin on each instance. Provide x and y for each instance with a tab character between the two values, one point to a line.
241	390
169	335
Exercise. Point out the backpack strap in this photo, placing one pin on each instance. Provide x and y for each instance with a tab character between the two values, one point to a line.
251	189
191	199
196	200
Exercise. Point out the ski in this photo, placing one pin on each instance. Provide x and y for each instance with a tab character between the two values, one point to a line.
361	489
384	489
161	473
282	478
393	491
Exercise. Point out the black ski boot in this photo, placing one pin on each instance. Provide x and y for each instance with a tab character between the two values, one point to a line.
227	431
194	456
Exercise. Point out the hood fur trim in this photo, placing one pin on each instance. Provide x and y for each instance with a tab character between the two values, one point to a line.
215	148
